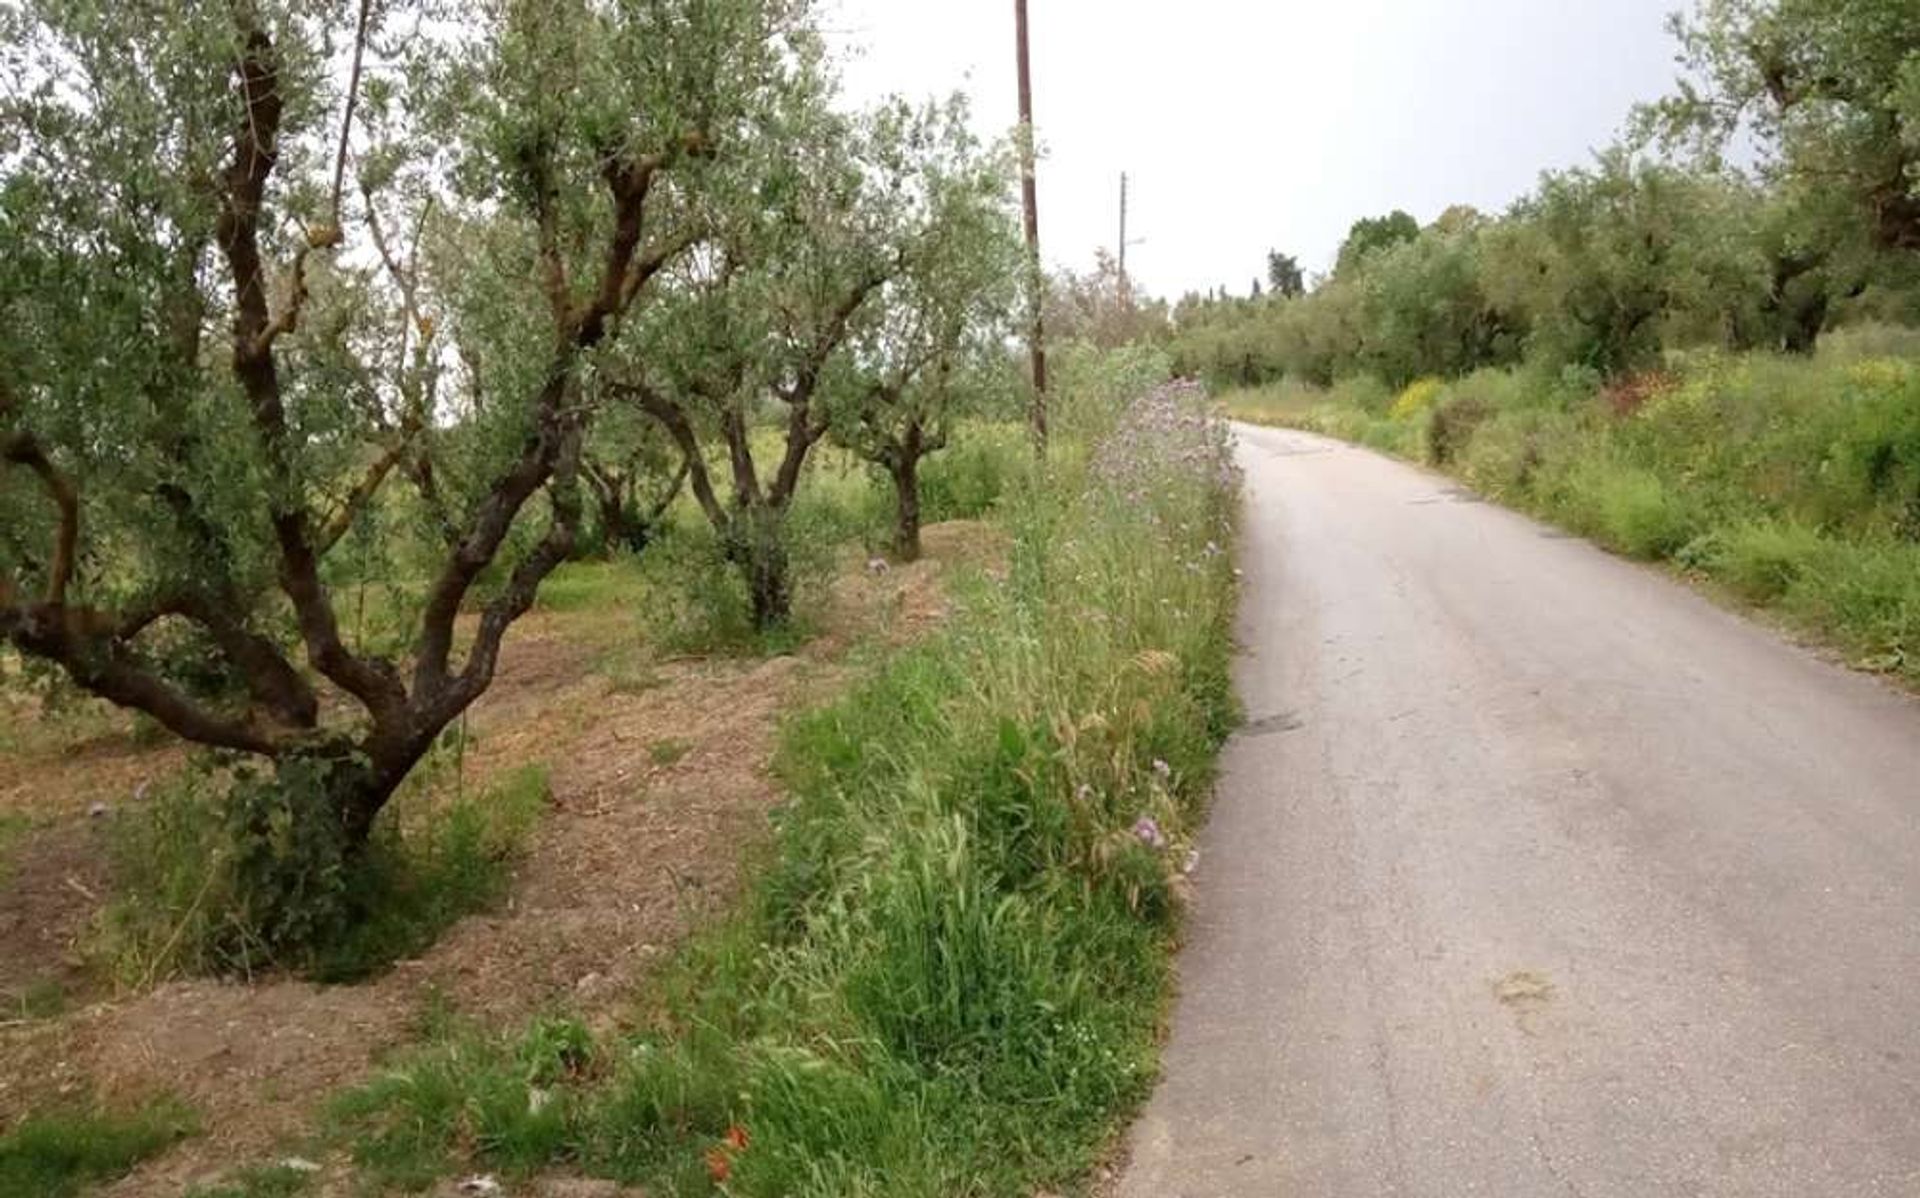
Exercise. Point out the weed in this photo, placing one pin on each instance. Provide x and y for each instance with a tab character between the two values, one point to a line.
54	1154
182	907
259	1181
1628	509
593	586
42	998
628	670
667	751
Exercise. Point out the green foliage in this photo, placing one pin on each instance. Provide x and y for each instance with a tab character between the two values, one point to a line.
1284	277
218	874
54	1154
951	975
968	480
1611	267
1830	92
1629	509
1372	235
608	585
503	1098
259	1181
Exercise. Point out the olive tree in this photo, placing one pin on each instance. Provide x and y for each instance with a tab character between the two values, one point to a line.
1828	90
255	260
933	346
736	360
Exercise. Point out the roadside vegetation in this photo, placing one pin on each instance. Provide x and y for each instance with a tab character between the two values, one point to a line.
437	459
948	976
1687	361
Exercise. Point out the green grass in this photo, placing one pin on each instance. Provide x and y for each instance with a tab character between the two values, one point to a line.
259	1181
950	970
179	908
56	1154
1793	484
611	585
666	752
42	998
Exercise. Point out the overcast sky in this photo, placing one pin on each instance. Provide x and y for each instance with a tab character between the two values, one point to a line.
1248	125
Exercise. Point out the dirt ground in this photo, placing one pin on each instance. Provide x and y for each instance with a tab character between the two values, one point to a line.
658	787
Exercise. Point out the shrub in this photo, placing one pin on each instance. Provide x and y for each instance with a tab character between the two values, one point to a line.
1867	594
1451	426
1763	560
1418	397
217	874
1629	509
966	480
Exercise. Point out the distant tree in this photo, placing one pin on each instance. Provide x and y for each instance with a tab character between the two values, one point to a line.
1092	307
1253	292
1606	263
1372	234
1283	275
1425	310
934	348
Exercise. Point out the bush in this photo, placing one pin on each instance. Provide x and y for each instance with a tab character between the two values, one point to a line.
1451	426
218	875
1628	509
1418	397
1764	559
1866	595
967	479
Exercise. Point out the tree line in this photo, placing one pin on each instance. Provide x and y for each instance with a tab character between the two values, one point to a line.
295	292
1774	195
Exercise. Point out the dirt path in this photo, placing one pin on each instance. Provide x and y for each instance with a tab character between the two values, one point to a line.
1534	874
659	785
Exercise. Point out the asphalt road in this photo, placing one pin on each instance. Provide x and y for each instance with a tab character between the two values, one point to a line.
1534	874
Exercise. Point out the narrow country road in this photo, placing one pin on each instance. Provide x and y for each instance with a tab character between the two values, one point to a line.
1534	874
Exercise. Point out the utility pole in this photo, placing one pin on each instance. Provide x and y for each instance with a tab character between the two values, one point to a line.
1036	333
1124	302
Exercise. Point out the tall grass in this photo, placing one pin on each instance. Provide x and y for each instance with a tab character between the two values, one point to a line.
182	906
949	973
1792	483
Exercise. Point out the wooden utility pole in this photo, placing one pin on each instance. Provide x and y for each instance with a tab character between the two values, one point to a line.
1124	302
1036	333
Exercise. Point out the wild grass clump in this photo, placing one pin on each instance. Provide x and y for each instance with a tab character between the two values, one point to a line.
967	480
54	1154
1793	482
216	876
948	977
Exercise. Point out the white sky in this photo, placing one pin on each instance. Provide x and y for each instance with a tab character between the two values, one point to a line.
1248	125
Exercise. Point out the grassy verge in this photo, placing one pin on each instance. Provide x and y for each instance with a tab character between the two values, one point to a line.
1793	485
55	1154
948	976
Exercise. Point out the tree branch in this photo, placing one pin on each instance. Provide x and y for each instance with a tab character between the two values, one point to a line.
671	418
364	490
237	231
23	449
